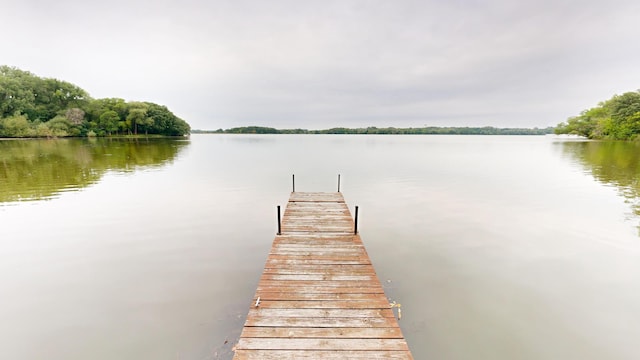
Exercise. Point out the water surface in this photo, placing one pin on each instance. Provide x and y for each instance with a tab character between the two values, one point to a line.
497	247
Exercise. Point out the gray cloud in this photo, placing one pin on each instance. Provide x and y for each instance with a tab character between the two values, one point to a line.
317	64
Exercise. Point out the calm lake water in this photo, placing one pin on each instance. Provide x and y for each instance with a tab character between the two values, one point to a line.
496	247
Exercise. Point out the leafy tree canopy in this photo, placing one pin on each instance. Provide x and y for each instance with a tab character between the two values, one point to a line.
617	118
31	106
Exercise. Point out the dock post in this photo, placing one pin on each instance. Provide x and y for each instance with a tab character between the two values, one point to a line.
355	230
279	222
338	182
293	178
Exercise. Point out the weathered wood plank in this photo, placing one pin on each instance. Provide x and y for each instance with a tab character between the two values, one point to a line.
323	289
314	354
342	238
281	265
285	261
345	241
320	269
284	295
311	284
321	344
316	196
319	228
318	274
325	221
322	313
318	322
318	277
319	238
314	209
342	333
372	302
335	257
327	214
325	233
318	251
315	244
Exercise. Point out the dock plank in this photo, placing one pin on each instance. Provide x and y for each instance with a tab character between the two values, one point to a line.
319	322
325	289
321	344
321	313
340	333
330	354
366	303
326	270
283	295
319	296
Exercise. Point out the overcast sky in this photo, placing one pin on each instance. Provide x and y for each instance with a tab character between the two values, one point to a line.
320	64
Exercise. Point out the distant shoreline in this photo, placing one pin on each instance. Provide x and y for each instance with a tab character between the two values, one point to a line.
431	130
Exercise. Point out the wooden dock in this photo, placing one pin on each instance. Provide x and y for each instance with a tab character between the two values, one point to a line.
319	296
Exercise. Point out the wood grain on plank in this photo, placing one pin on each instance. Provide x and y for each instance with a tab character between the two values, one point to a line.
322	344
340	333
326	354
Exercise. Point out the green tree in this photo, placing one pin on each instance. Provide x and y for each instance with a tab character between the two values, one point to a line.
53	96
16	91
97	107
617	118
137	115
109	121
590	123
625	111
165	122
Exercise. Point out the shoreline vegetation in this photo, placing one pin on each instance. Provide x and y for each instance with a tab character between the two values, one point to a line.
35	107
430	130
615	119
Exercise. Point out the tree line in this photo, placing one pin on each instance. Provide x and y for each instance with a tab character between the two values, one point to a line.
432	130
31	106
616	119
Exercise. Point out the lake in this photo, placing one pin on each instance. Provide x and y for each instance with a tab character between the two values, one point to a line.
497	247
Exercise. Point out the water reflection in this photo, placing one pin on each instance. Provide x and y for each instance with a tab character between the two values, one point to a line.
42	169
614	163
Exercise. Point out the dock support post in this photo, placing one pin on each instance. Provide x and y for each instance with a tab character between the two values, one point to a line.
279	222
293	178
338	182
355	230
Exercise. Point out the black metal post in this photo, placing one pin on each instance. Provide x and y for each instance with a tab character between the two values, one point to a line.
355	230
279	224
293	177
338	182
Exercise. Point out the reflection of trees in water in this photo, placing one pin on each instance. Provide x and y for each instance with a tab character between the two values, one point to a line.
611	162
40	169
